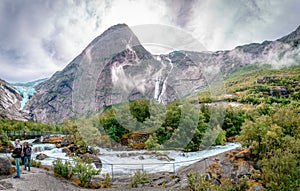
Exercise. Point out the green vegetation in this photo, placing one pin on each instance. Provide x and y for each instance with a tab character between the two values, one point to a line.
35	163
267	121
83	171
271	127
14	125
198	182
139	178
62	169
274	140
106	182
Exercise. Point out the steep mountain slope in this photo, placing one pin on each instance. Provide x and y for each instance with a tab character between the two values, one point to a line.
10	100
115	68
110	70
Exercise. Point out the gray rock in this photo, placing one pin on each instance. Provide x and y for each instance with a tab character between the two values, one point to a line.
141	157
65	142
208	176
94	159
240	155
163	158
257	188
65	150
41	156
37	149
172	182
47	148
227	167
243	169
2	187
122	155
5	185
72	148
5	165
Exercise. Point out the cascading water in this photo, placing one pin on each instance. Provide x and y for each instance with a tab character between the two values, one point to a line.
126	162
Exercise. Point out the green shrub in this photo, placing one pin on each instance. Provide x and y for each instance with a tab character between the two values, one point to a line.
106	182
152	142
107	179
84	171
198	182
35	163
139	177
62	169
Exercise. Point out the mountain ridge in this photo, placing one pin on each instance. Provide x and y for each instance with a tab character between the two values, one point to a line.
115	67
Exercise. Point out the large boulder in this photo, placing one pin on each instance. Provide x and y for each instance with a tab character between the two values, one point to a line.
5	165
65	150
65	142
41	156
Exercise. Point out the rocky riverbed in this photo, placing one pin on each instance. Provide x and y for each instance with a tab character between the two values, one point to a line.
233	164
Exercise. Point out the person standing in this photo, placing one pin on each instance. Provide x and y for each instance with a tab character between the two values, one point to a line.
27	155
22	154
17	156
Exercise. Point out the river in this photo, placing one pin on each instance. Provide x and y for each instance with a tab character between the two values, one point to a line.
126	162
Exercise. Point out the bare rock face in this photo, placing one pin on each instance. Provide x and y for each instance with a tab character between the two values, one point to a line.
5	166
115	68
89	82
10	101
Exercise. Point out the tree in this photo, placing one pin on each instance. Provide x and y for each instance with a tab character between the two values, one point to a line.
252	135
281	171
233	121
186	128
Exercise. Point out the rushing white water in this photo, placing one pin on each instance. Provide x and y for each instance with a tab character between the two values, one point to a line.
126	162
151	163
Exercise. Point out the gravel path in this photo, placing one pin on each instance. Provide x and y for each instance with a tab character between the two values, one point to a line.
42	180
36	180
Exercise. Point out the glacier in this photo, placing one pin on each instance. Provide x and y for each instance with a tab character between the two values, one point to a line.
26	90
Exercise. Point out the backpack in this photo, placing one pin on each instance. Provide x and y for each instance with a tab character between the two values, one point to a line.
17	153
28	151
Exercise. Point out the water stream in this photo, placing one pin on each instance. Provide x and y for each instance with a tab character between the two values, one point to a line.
126	162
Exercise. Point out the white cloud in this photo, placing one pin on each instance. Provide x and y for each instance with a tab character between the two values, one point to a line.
38	38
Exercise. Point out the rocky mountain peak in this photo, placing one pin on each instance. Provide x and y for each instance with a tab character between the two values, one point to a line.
87	81
115	39
293	37
115	67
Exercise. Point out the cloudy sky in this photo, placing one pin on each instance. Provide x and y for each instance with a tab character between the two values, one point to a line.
39	37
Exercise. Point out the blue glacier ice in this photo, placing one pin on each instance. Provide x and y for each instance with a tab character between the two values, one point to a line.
27	90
